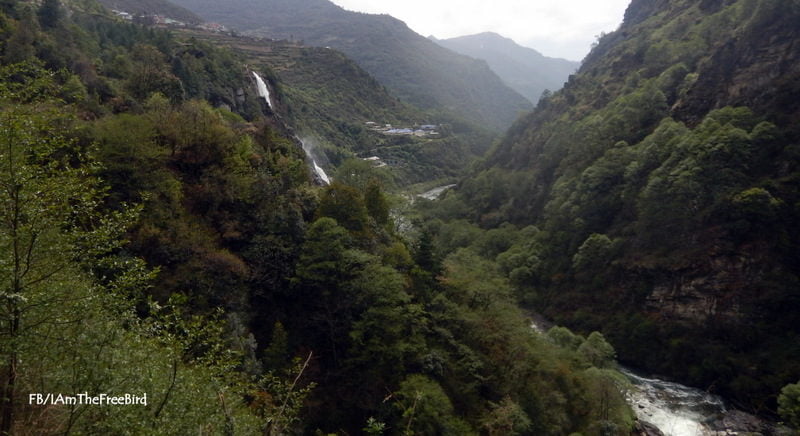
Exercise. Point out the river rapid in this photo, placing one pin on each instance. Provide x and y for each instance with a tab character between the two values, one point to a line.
678	410
675	409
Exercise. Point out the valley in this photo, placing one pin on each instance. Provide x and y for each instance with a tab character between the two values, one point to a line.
310	220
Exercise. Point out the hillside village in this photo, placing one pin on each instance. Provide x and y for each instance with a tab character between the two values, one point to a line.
161	20
425	130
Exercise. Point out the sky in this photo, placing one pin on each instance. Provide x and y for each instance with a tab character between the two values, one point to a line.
557	28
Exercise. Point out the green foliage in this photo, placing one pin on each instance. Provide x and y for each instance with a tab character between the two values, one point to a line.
426	409
593	254
563	337
415	69
69	318
597	351
345	205
377	205
789	404
374	427
506	418
651	176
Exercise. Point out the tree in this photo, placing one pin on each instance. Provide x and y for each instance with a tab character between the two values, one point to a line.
424	255
598	351
593	254
789	404
50	13
426	409
49	225
344	204
376	204
151	74
564	338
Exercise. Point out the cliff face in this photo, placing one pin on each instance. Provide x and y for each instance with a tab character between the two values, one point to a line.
665	179
715	290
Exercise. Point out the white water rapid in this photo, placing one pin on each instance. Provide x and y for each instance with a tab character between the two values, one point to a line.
263	91
675	409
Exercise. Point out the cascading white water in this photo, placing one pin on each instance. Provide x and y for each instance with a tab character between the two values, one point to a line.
675	409
263	91
317	169
321	173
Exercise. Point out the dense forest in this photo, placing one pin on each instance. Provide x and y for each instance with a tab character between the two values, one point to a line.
162	235
655	198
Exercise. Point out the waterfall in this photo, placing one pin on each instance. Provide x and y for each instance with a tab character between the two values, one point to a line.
263	91
307	148
320	172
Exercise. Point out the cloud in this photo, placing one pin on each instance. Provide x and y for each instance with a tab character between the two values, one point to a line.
565	28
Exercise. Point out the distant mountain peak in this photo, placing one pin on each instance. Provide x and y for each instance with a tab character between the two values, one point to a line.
416	69
524	69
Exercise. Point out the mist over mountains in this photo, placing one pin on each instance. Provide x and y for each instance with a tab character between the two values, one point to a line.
524	69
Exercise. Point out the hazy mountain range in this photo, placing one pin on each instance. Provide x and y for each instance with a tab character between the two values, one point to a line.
413	67
524	69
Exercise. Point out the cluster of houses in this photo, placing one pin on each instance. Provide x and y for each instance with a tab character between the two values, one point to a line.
425	130
380	162
160	20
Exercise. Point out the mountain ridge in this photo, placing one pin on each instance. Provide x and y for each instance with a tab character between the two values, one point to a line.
663	179
524	69
414	68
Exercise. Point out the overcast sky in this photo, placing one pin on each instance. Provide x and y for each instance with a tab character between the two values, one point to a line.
559	28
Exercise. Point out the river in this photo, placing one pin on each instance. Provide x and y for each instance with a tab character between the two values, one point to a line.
674	409
435	193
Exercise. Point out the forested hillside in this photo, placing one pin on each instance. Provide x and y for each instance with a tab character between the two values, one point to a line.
328	100
524	69
160	235
412	67
661	185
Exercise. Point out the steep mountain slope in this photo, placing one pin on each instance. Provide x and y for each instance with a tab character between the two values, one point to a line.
664	183
152	7
414	68
328	99
160	235
524	69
